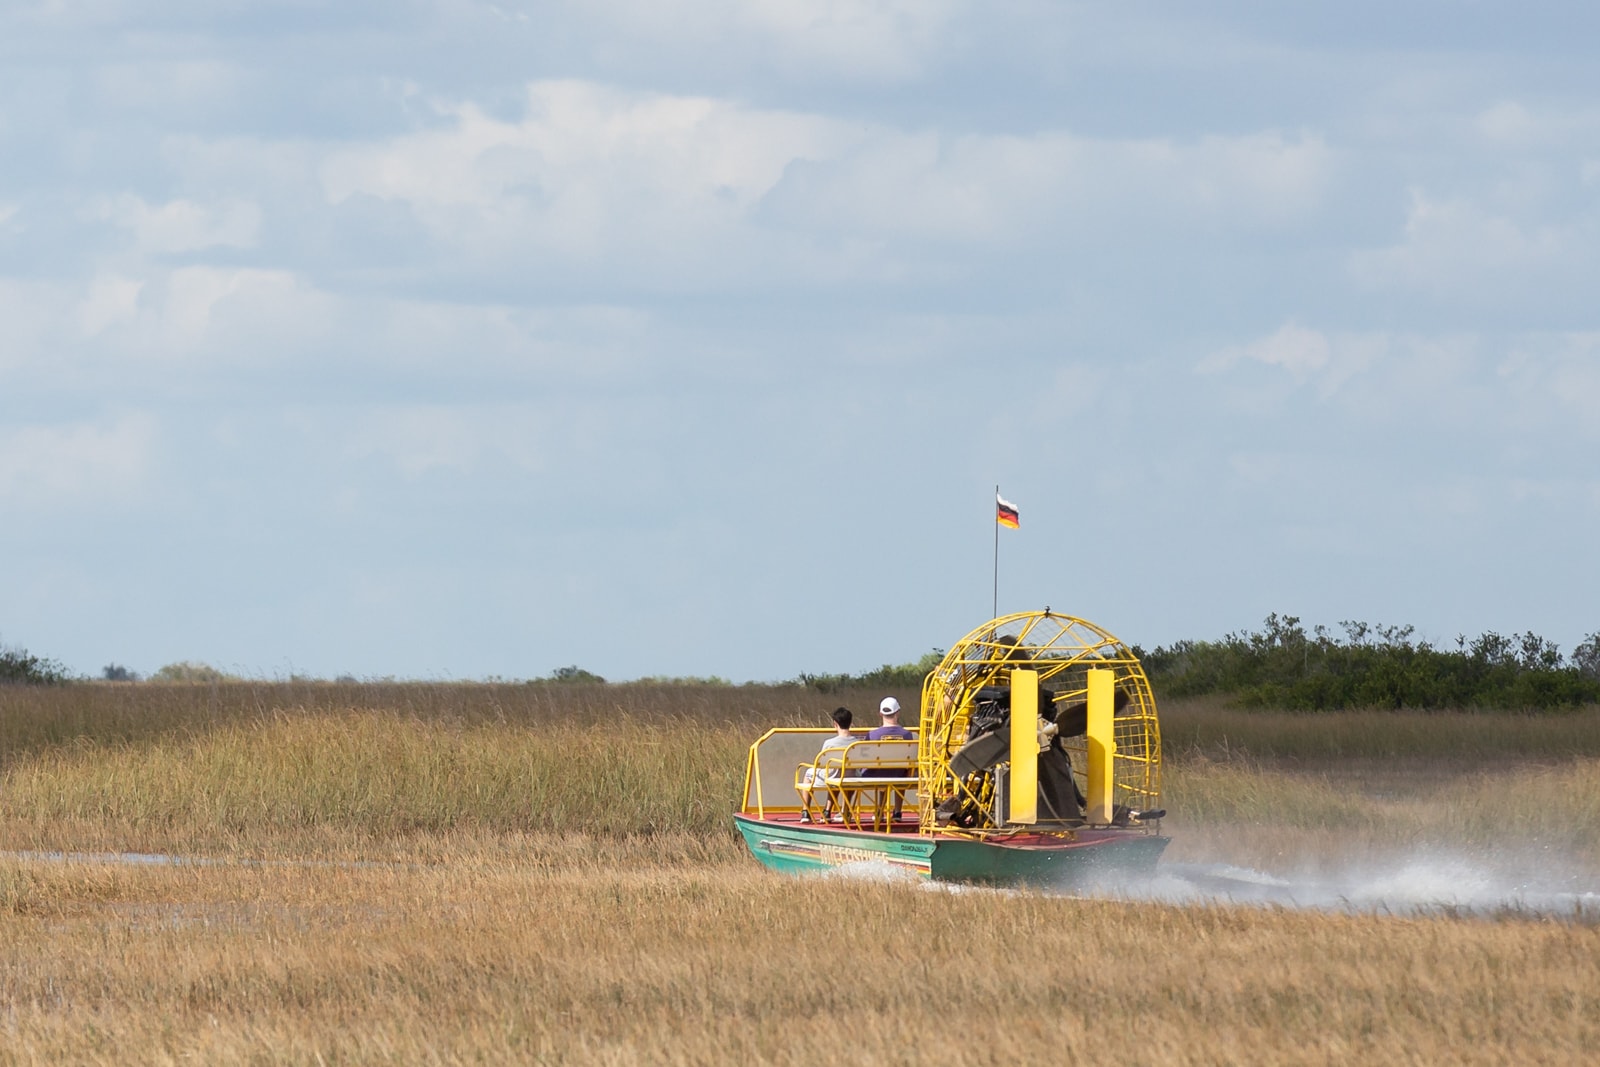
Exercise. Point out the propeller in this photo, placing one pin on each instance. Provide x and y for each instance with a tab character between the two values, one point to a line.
1073	719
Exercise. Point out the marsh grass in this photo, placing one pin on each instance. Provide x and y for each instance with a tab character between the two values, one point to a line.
1212	729
1541	819
1306	791
34	719
362	775
243	768
685	958
488	874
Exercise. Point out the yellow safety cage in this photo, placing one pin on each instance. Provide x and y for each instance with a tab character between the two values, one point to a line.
1061	651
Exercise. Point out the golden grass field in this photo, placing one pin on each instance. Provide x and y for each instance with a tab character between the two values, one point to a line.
459	873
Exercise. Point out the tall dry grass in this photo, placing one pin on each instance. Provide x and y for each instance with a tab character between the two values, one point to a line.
635	958
245	766
366	776
1537	818
35	718
32	717
286	767
455	874
1329	790
1211	729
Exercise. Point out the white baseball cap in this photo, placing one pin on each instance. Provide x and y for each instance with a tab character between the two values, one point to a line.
890	706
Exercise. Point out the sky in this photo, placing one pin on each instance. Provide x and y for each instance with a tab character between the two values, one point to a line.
446	339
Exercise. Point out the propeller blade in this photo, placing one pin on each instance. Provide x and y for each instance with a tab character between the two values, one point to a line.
1072	720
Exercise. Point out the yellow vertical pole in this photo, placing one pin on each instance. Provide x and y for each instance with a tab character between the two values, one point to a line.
1102	744
1024	778
752	767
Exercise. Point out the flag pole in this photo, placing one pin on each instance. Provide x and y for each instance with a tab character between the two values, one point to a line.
994	608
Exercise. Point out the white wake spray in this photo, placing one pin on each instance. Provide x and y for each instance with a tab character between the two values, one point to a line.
1416	882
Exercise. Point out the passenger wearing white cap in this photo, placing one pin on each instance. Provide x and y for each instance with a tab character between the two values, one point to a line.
891	729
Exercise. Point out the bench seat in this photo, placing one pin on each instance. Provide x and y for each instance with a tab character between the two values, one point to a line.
839	774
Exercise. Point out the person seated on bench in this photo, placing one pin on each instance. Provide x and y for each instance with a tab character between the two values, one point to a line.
842	717
891	730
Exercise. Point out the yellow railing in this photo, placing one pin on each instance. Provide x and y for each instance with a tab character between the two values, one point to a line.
777	764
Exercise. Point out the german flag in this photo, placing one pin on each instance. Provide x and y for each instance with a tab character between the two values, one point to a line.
1005	513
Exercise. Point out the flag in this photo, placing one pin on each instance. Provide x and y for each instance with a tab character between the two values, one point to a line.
1005	513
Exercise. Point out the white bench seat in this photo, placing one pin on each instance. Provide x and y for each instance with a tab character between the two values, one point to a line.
838	773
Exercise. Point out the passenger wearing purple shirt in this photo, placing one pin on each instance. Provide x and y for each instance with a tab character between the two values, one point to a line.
891	730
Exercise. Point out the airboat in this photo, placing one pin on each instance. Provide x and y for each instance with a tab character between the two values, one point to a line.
1036	761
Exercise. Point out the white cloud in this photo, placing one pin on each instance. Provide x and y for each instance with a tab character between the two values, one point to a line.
193	295
1299	351
130	328
1455	247
423	439
587	173
31	312
682	188
111	299
577	134
1264	178
75	462
1507	123
1528	384
1524	242
1002	189
1296	349
70	333
236	315
1512	125
227	316
1378	376
866	40
184	225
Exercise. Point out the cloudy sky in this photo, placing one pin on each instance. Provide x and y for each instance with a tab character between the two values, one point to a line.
447	339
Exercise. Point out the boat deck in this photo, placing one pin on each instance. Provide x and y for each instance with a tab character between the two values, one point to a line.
909	826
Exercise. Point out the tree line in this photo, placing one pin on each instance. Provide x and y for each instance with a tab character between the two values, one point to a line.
18	666
1373	666
1283	665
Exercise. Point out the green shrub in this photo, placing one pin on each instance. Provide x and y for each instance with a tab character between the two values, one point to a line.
1283	666
888	676
191	672
18	666
573	675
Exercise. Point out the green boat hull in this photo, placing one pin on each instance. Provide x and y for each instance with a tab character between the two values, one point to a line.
1095	856
799	847
792	847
